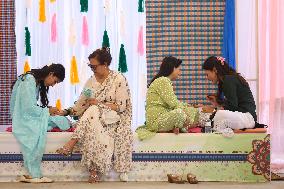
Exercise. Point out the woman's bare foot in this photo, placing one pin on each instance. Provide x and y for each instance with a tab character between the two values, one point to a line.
176	131
67	149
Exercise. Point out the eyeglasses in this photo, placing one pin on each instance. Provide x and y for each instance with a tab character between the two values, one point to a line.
93	67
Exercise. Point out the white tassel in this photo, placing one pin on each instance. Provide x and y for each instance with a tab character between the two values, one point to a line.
143	85
72	33
84	72
107	6
28	4
122	24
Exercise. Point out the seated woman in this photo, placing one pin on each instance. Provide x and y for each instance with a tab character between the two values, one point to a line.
234	98
104	128
164	112
30	121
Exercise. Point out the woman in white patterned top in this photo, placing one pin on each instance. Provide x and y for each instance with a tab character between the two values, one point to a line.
104	127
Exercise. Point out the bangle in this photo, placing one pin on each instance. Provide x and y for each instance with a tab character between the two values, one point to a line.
68	111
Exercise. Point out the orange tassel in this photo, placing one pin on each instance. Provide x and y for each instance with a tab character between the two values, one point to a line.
58	104
42	17
74	79
27	67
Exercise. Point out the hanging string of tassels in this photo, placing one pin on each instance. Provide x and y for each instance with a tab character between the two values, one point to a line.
105	40
52	1
58	104
53	29
140	5
27	67
42	17
74	79
85	32
28	42
140	46
84	5
122	65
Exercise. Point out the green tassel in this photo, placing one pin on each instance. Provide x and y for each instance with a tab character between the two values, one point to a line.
122	66
84	5
105	40
28	41
140	5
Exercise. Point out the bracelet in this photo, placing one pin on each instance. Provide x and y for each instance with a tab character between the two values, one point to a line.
68	111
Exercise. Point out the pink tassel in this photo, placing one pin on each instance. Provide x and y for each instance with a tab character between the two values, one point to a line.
140	48
85	32
53	29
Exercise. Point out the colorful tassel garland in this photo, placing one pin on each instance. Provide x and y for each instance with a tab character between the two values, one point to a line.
53	29
27	67
58	104
85	32
122	65
28	4
84	5
42	17
140	46
140	5
105	40
72	33
28	41
52	1
74	79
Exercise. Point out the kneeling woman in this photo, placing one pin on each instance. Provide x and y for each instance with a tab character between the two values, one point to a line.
234	98
164	112
30	121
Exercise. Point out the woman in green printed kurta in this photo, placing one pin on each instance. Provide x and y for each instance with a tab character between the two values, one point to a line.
164	112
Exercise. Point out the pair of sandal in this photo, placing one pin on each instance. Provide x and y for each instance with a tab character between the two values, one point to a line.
191	178
94	177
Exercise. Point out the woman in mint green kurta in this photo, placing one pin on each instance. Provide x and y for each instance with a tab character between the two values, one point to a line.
164	112
30	121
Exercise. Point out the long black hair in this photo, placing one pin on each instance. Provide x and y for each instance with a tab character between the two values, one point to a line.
167	67
222	68
58	70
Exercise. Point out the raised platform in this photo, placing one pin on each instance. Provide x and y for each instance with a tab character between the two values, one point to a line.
243	158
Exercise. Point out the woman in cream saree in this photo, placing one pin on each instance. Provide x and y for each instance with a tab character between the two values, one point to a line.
103	133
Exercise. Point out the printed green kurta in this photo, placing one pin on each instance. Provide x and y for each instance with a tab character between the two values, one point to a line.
164	111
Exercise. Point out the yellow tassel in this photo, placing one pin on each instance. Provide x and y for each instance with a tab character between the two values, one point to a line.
52	1
42	17
74	71
58	104
27	67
